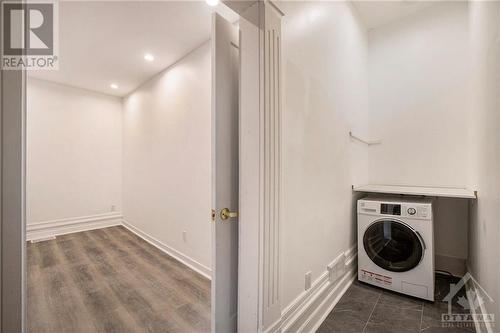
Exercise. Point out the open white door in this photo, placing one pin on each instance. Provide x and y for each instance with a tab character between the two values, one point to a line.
225	156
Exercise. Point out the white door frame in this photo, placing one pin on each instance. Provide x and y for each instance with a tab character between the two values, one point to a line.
13	245
12	208
259	284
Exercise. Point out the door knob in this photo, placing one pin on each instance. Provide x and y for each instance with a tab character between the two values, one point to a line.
226	213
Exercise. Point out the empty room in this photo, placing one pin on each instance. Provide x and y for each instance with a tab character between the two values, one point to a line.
119	171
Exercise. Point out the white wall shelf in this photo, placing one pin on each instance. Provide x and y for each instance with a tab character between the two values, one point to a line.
449	192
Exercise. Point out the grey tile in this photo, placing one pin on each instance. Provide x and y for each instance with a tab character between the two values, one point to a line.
359	309
376	328
432	315
400	300
363	292
341	322
403	318
447	330
392	312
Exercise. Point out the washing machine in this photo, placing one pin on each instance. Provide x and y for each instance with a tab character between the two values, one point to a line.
396	245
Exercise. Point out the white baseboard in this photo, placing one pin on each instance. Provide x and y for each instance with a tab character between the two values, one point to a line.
307	312
50	229
186	260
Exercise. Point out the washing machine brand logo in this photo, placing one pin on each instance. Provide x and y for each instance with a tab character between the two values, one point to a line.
29	34
474	302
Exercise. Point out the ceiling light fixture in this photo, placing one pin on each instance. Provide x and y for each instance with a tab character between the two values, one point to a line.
212	3
149	57
114	85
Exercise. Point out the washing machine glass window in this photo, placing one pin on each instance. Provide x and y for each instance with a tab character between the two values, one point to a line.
393	245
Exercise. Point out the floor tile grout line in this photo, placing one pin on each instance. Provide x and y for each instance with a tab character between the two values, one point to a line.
374	306
421	318
412	308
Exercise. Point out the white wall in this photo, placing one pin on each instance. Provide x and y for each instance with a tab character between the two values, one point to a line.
484	245
418	74
74	151
325	96
405	83
167	157
419	106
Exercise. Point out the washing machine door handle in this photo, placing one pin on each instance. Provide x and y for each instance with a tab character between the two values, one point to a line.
421	239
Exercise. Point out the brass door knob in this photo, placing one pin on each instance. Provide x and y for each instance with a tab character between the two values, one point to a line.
226	213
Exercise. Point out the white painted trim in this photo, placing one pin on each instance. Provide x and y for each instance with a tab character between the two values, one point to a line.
309	309
183	258
13	199
480	327
326	305
47	229
271	191
249	221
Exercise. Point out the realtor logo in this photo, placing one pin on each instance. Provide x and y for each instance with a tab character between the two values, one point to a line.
29	35
475	302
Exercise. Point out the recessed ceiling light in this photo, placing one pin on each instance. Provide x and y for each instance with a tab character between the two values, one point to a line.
212	3
114	85
149	57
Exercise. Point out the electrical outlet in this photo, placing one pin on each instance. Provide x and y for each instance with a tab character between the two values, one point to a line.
336	269
184	236
113	208
331	272
307	284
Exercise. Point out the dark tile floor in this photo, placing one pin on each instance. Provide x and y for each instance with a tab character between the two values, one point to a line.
368	309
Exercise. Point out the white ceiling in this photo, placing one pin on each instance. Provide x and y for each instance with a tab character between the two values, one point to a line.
104	42
377	13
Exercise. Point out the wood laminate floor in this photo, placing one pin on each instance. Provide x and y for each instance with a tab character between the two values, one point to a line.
110	280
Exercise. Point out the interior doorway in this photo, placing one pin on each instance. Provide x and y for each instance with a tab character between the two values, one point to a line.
124	166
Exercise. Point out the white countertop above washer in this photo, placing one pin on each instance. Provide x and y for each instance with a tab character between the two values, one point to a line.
450	192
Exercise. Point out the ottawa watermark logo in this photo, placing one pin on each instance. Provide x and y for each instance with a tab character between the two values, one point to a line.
469	310
30	35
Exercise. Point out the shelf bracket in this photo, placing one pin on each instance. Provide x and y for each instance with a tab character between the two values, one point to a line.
369	143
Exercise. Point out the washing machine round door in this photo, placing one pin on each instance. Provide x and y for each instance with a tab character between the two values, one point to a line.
393	245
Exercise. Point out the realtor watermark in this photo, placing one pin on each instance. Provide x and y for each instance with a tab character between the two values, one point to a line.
30	34
469	310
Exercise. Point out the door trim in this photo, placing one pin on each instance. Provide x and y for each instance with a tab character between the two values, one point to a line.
260	287
12	208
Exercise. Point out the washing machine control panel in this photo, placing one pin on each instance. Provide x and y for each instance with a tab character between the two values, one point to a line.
418	211
403	209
